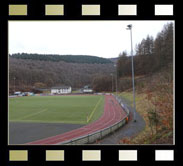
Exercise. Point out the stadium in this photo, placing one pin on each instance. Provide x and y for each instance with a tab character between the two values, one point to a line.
58	119
82	97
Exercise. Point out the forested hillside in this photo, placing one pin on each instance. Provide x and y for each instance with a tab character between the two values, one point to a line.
65	58
44	71
152	55
26	74
153	85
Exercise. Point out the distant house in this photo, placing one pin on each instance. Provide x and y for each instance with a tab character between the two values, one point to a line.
87	89
61	90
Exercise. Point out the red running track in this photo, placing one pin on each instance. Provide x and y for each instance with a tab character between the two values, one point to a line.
112	113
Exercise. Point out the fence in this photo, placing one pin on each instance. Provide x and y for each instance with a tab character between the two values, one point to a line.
101	133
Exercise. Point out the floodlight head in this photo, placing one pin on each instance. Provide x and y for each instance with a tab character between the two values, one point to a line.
129	26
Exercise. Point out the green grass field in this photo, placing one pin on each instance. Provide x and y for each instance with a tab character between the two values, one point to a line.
56	109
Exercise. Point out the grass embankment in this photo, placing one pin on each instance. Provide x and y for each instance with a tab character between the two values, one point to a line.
146	136
56	109
154	102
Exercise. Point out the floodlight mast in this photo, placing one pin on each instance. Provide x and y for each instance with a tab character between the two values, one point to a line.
115	65
112	82
129	27
14	83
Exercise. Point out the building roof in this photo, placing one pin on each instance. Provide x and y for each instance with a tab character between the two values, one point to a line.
61	87
87	87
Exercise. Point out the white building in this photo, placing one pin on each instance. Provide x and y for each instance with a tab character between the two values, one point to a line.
17	93
61	90
87	89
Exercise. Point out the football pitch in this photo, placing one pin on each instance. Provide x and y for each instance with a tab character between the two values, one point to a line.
76	109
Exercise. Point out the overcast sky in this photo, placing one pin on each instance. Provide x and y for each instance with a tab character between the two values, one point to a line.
99	38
